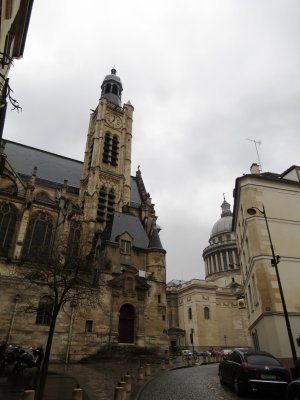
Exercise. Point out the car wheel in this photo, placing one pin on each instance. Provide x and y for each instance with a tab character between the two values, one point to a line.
221	377
237	386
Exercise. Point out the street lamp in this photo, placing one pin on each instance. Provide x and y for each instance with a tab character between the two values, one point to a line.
274	262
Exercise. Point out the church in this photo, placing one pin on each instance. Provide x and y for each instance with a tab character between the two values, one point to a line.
97	211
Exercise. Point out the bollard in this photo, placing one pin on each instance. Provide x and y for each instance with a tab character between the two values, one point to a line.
128	380
28	394
140	373
148	370
163	365
77	393
118	393
122	384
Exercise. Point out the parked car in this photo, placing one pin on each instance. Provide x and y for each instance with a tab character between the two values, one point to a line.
247	369
204	353
186	353
293	390
225	352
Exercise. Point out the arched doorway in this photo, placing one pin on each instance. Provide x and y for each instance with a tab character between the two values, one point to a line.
126	324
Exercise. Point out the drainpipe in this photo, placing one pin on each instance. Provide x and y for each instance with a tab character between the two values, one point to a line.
17	298
73	306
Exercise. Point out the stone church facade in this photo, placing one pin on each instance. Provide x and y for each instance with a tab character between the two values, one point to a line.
100	213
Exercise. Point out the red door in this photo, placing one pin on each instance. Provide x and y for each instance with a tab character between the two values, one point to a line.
126	324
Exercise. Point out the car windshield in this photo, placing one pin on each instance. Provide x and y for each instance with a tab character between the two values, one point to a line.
260	359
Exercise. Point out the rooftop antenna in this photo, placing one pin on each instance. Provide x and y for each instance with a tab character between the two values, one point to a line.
256	142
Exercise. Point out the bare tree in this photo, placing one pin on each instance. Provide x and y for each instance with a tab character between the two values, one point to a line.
64	280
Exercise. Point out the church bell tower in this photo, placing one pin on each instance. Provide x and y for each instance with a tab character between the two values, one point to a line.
105	181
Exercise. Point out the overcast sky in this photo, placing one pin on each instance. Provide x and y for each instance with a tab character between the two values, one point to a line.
202	75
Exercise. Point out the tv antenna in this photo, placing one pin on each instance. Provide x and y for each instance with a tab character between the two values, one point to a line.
256	142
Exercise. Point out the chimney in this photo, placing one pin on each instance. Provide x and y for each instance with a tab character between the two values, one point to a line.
254	169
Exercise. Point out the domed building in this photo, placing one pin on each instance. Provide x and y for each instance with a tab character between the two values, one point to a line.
211	313
221	257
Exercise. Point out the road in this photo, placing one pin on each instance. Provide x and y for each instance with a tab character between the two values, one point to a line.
201	382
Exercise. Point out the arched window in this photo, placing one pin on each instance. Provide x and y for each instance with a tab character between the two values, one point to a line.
206	313
38	237
107	88
8	219
115	89
44	311
73	241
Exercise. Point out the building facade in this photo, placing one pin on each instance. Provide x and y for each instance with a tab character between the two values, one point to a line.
210	313
278	196
97	211
14	22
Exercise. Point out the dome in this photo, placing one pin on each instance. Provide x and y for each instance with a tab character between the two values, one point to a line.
224	224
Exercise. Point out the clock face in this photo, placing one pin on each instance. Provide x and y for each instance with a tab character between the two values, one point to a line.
113	120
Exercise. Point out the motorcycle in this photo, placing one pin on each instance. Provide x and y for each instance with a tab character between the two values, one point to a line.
27	360
9	355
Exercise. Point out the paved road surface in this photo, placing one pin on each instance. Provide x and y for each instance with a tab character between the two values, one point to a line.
194	383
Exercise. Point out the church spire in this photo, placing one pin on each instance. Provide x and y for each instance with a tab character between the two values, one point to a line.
111	88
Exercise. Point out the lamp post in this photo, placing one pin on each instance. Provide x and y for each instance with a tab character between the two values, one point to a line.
274	262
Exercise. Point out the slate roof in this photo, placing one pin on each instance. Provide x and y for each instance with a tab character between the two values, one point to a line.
53	169
50	167
122	223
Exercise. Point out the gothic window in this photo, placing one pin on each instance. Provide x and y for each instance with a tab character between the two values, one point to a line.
106	205
110	150
206	313
8	219
125	247
44	311
38	237
73	241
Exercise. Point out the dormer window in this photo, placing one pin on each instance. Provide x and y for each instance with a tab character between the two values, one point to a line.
125	247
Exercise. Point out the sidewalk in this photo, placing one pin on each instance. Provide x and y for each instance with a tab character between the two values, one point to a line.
98	380
58	387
